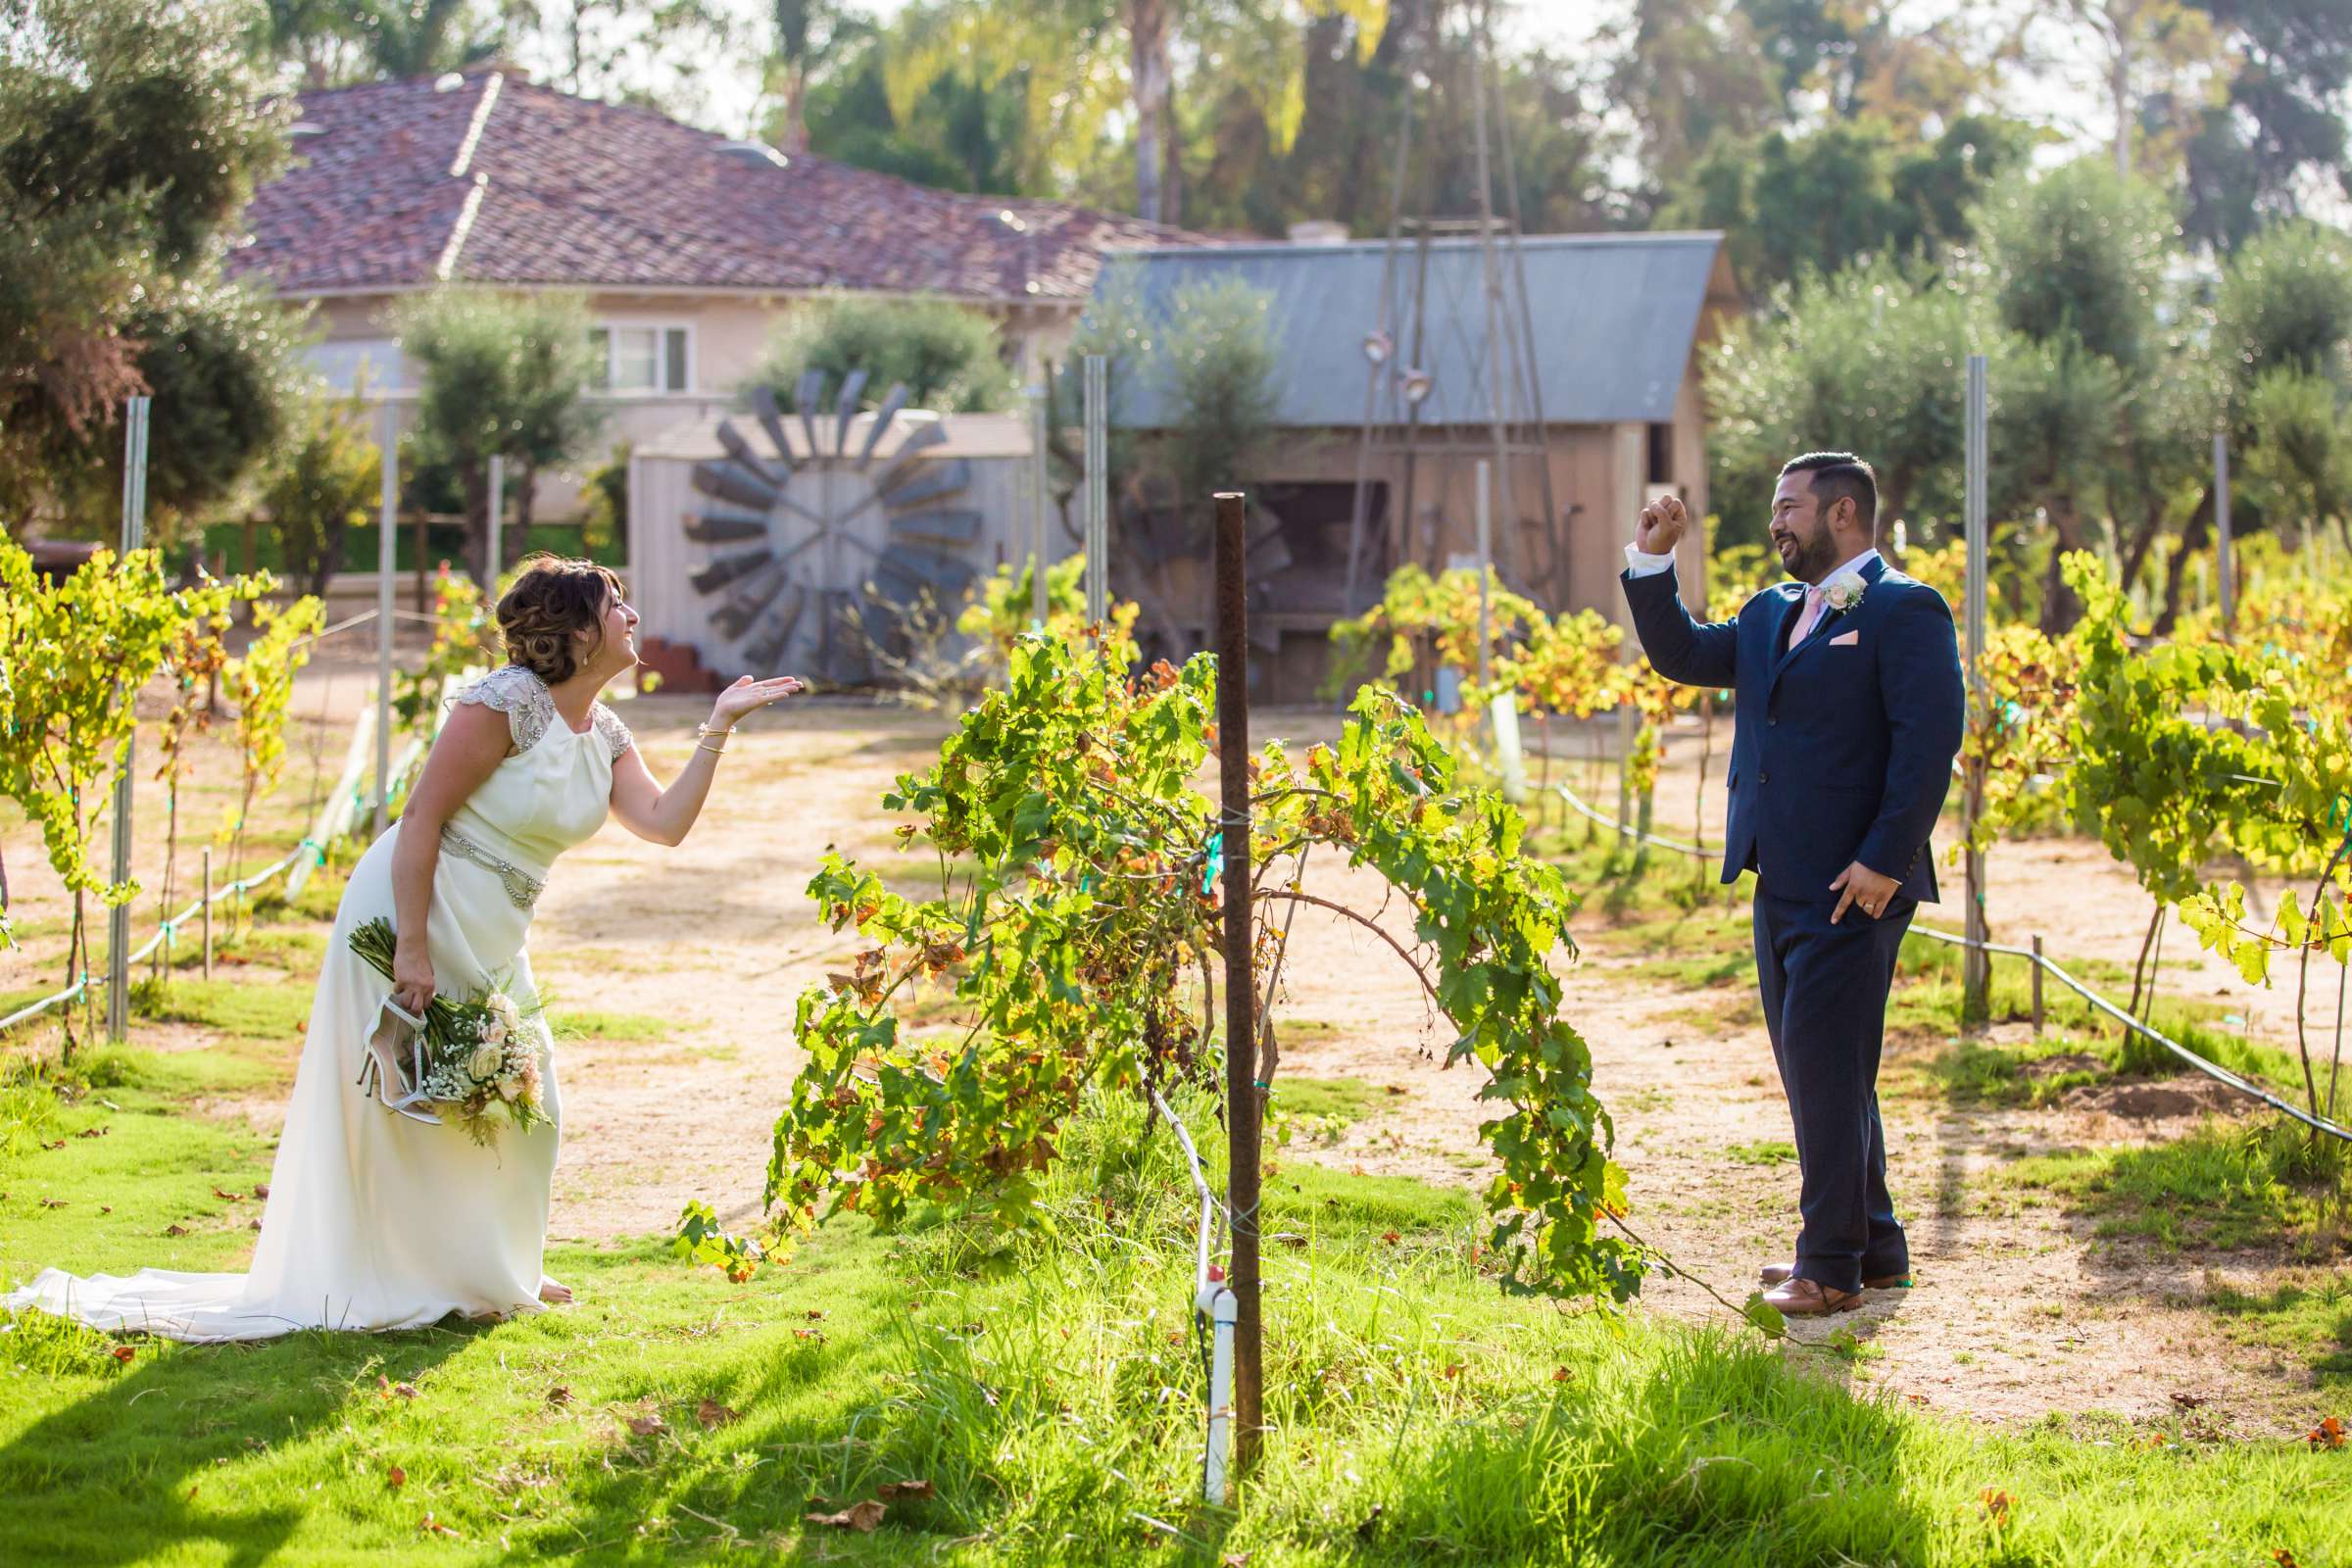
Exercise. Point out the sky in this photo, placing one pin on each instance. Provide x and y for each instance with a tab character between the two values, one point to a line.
2065	90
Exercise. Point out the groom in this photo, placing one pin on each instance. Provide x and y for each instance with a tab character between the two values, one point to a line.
1848	715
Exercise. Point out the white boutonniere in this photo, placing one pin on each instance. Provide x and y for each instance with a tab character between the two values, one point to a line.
1843	592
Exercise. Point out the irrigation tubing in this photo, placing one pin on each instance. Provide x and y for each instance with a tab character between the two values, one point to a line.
2214	1071
1208	1200
167	929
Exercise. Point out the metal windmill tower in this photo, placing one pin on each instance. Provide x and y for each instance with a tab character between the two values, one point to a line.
1427	318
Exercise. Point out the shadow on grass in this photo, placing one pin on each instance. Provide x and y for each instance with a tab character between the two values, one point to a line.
150	1443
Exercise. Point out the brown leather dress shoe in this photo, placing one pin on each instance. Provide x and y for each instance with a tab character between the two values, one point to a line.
1810	1299
1771	1274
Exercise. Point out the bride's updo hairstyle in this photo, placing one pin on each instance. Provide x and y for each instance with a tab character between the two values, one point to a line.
553	620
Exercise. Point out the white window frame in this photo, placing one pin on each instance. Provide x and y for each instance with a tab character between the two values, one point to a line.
614	326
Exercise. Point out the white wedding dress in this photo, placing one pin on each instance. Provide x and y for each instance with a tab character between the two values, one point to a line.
375	1220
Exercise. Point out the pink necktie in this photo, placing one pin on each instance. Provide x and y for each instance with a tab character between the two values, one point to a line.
1805	622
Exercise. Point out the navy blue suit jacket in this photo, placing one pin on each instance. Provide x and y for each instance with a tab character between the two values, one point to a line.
1841	752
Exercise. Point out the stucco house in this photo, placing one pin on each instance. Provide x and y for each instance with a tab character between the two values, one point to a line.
689	246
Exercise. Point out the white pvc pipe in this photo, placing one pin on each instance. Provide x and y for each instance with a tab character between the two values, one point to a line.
1222	1309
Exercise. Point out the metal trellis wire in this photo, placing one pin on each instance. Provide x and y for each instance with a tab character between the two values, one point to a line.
2214	1071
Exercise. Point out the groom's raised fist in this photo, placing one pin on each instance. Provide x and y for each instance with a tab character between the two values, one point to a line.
1661	527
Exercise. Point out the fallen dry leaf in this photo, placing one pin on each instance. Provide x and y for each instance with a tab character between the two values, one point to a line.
2329	1434
892	1490
817	1314
93	1132
123	1353
1996	1505
253	1224
559	1395
234	1197
434	1527
106	1208
396	1478
175	1230
818	1335
1390	1237
261	1189
710	1413
53	1203
646	1426
407	1391
858	1516
1453	1370
2283	1557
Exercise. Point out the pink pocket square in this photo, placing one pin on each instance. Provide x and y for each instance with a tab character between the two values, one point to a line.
1847	639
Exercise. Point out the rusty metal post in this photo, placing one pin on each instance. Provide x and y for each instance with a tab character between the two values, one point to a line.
1241	990
425	598
206	902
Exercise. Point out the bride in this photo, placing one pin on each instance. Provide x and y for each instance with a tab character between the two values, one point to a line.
383	1220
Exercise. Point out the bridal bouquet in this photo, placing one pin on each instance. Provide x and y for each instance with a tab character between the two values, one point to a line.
478	1065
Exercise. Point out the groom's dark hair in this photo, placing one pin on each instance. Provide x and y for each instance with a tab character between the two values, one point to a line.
1841	473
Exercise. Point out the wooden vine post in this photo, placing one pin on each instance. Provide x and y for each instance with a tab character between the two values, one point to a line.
1241	1100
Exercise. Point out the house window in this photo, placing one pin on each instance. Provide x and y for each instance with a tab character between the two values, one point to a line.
640	358
1661	454
347	364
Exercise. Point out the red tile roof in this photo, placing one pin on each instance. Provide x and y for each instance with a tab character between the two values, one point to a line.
587	194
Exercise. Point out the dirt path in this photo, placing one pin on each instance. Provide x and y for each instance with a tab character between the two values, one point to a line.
2020	1311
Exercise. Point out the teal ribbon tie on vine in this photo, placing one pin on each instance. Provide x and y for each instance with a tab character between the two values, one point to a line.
1214	847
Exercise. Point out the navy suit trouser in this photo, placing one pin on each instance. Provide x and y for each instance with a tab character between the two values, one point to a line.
1824	988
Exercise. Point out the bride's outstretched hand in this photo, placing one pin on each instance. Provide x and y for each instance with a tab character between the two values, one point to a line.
747	694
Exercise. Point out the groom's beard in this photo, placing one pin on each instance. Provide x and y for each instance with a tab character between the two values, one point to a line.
1814	557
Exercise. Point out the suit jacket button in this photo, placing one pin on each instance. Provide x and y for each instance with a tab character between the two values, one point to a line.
1770	719
1763	779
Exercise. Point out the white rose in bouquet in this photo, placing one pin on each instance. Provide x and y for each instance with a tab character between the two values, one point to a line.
486	1061
495	1034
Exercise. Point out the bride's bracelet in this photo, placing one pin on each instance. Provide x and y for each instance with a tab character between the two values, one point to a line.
704	734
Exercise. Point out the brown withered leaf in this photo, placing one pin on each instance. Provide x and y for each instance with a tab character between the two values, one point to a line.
434	1527
234	1197
858	1516
106	1208
396	1478
94	1132
712	1414
559	1395
261	1189
175	1230
123	1353
892	1490
647	1426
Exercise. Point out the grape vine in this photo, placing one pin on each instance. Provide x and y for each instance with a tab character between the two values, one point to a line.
1076	907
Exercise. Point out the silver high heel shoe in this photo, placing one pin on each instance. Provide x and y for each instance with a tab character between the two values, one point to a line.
398	1031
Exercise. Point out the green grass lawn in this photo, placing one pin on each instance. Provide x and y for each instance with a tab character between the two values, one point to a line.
1045	1393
